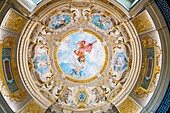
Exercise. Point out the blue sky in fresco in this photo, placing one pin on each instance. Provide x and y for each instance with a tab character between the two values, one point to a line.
94	60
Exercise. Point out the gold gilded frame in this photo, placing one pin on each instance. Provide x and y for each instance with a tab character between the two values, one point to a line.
144	70
19	95
129	105
70	78
14	21
149	42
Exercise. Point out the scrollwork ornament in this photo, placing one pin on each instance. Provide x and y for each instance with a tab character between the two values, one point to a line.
149	46
142	22
128	106
78	34
14	21
20	94
33	107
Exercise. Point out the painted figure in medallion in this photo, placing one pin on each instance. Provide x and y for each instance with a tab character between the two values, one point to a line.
60	21
41	63
77	70
78	55
119	62
80	52
102	22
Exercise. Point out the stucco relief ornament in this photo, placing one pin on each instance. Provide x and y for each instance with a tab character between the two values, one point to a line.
59	20
120	62
150	67
40	62
69	57
9	79
102	21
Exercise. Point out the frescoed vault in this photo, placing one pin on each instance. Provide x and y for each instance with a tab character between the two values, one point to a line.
83	56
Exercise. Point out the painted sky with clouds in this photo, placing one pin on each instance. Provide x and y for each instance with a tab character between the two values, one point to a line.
94	60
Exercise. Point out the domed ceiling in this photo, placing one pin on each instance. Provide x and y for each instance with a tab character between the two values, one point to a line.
83	56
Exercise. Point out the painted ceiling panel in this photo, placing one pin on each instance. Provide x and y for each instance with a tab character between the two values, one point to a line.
83	57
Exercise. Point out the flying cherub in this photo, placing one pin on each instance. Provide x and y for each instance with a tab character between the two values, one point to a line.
83	47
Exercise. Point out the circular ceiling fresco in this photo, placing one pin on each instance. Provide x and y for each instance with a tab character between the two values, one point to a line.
83	56
79	58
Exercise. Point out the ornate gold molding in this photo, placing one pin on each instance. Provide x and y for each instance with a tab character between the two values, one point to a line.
114	6
9	76
33	107
143	23
70	78
78	3
14	21
129	106
150	67
45	6
57	41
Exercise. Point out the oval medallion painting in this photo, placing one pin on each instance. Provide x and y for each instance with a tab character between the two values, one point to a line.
81	56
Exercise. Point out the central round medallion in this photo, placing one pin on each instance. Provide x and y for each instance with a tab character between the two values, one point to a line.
81	56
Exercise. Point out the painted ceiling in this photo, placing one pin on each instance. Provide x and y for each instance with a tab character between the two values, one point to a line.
80	68
82	57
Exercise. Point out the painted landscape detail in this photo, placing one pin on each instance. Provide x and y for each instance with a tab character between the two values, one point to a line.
81	55
149	68
6	58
